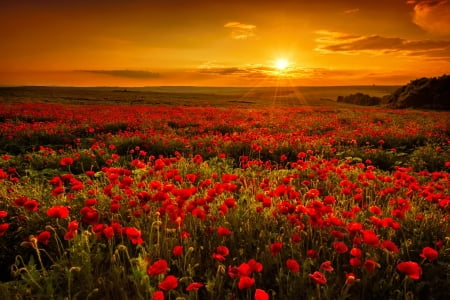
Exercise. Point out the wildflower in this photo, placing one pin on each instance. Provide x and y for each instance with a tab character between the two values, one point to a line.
223	231
326	266
177	251
255	266
158	295
411	269
31	205
43	237
60	212
66	161
355	261
261	295
389	245
429	253
318	277
356	252
245	282
370	265
3	214
340	247
3	228
134	235
158	267
370	238
169	283
275	248
244	270
293	265
350	278
194	286
312	253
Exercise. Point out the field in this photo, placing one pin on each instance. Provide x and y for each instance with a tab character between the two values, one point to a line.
220	194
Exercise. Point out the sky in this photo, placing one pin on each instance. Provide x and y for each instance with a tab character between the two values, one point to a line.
222	43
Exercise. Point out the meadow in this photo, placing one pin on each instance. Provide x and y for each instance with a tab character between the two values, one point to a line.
242	200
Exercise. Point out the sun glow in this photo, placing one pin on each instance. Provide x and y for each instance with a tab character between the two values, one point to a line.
281	64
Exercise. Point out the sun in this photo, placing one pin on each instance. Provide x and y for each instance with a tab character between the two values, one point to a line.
281	64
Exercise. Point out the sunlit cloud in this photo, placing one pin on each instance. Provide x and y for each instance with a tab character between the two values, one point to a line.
351	11
432	15
337	42
240	31
125	73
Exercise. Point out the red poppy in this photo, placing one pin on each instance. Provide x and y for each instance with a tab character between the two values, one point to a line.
194	286
169	283
293	265
312	253
275	248
177	251
356	252
43	237
223	231
429	253
355	262
370	265
261	295
158	295
245	282
218	257
370	238
60	212
326	266
222	250
66	161
411	269
31	205
3	228
389	245
244	270
340	247
318	277
255	266
158	267
350	278
3	214
134	235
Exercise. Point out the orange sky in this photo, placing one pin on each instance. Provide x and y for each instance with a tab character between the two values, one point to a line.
223	42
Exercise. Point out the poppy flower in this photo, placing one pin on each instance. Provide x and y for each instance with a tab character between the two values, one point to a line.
194	286
31	205
60	212
370	238
3	214
244	269
293	265
318	277
275	248
411	269
261	295
158	267
429	253
177	251
66	161
158	295
350	278
43	237
223	231
222	250
255	266
169	283
326	266
134	235
340	247
3	228
311	253
370	265
245	282
389	245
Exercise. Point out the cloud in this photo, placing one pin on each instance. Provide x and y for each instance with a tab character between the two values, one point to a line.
432	15
240	31
126	73
351	11
338	42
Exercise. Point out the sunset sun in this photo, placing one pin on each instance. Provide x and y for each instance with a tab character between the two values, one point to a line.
281	64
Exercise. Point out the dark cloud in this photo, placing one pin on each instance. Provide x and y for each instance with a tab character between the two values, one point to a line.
126	73
375	44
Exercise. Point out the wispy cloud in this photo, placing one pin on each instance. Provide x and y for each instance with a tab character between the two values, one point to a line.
432	15
351	11
125	73
339	42
240	31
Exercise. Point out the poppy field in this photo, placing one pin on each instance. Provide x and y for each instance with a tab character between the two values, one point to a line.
236	202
